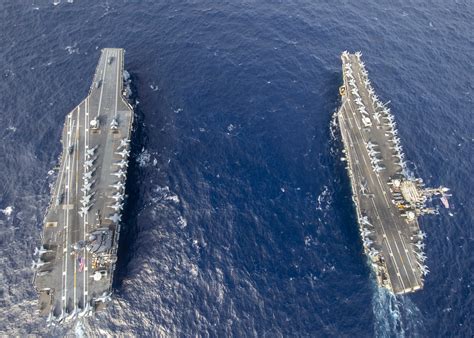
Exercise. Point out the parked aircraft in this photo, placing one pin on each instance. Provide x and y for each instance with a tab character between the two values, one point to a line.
115	218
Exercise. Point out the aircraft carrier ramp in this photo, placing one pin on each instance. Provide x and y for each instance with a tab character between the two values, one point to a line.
387	202
76	262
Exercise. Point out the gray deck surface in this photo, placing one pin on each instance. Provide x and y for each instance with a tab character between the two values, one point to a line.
73	288
391	233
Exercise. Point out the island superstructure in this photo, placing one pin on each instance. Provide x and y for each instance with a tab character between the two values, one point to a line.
387	201
75	265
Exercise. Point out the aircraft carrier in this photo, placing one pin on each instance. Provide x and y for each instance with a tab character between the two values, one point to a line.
387	201
75	264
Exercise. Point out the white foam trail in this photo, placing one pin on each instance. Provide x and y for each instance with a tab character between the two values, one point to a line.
386	314
395	316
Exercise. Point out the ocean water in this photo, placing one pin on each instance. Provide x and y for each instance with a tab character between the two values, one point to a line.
239	220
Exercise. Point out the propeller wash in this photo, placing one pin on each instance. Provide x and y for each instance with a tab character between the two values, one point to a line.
75	265
386	200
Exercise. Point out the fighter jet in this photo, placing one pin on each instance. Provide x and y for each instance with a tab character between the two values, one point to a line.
41	251
358	54
365	220
370	145
362	65
373	252
363	189
370	91
115	218
87	186
88	164
114	124
367	82
121	164
358	100
118	185
375	161
367	242
372	152
420	256
365	232
124	153
398	148
352	82
117	197
424	270
400	156
117	206
88	175
420	245
355	92
421	234
104	298
87	198
378	168
84	210
124	143
391	132
377	117
119	173
379	104
91	151
38	264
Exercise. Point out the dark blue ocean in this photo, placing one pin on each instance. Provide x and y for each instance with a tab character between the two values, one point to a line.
239	220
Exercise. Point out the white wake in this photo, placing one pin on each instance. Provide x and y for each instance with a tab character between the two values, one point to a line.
395	316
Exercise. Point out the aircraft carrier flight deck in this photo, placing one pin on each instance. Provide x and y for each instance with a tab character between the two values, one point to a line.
76	262
387	202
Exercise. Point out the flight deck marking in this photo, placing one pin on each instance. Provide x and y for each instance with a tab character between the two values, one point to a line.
102	82
66	211
406	258
86	146
390	250
389	206
379	218
117	84
375	208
